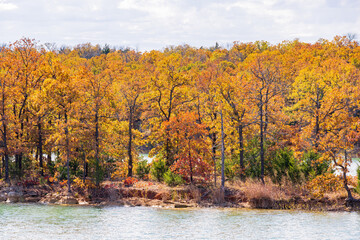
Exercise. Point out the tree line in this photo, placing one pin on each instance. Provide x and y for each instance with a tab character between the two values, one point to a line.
289	110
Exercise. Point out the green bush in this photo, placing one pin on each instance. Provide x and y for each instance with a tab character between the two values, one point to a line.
143	169
311	167
173	179
158	169
284	167
357	189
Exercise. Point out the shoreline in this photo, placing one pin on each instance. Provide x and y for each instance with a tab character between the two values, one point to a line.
169	207
186	197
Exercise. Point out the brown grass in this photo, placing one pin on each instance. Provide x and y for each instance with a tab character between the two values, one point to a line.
336	195
255	190
195	193
217	196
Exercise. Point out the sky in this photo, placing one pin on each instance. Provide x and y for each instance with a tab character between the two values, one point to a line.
154	24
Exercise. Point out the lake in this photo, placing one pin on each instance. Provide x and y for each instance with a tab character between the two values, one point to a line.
27	221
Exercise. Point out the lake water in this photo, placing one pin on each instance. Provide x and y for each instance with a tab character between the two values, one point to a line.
25	221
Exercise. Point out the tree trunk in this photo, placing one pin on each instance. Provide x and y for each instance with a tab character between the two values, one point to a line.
84	166
241	146
19	156
2	165
222	153
317	130
40	148
97	163
262	153
67	152
6	150
129	148
6	154
167	152
18	163
214	155
350	197
191	168
317	118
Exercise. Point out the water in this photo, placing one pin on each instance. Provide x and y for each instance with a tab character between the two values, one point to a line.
146	157
24	221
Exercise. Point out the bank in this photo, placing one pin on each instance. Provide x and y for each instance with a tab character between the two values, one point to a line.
152	194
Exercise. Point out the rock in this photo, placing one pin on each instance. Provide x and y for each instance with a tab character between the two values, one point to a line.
179	205
53	199
83	202
32	199
13	197
32	194
3	197
50	198
67	200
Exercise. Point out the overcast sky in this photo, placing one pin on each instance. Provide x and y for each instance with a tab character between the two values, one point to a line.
155	24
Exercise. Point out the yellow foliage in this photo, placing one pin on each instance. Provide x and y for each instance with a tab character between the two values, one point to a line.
325	183
81	184
121	170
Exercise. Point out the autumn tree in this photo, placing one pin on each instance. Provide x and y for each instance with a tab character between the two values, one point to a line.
129	89
5	113
96	85
267	86
62	92
28	74
168	86
191	139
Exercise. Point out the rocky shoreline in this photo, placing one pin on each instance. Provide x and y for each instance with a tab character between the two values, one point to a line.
179	197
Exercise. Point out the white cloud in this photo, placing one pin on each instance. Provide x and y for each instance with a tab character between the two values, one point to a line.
156	8
154	24
4	6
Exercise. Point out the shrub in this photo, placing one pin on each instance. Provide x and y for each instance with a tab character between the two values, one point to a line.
79	183
284	167
172	179
158	170
325	183
129	181
252	159
311	165
28	183
357	188
143	169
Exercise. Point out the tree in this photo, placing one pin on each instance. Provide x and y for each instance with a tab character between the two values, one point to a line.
129	90
339	129
62	92
267	85
97	82
168	87
28	75
5	101
235	92
190	138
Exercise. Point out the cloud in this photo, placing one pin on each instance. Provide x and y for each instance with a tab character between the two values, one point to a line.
4	6
156	24
155	8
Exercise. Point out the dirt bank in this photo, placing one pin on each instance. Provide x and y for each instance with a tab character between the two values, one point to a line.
160	195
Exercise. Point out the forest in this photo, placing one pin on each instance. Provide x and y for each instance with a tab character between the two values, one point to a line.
287	112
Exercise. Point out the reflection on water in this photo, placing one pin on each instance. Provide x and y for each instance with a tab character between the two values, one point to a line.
61	222
146	157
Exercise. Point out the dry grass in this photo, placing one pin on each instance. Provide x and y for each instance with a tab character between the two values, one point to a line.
255	190
336	195
217	196
195	193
